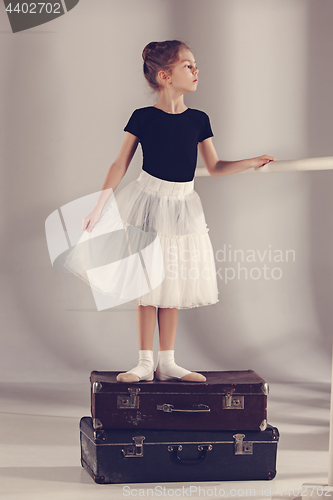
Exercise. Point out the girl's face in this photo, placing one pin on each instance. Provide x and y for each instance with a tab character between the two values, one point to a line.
184	76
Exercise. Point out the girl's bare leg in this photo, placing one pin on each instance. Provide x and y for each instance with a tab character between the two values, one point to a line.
166	366
146	321
167	325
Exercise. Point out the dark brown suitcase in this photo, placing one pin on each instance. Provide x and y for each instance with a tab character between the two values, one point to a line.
228	400
151	456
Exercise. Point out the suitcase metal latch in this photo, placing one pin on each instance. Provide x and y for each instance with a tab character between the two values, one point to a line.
242	447
131	401
230	402
134	450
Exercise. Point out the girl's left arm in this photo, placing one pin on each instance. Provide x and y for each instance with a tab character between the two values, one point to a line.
218	167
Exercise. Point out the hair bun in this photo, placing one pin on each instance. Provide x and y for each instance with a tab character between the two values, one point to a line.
148	48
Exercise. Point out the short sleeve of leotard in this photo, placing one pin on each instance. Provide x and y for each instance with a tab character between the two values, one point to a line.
206	129
133	125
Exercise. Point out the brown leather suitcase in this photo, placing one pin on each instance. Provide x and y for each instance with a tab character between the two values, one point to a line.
228	400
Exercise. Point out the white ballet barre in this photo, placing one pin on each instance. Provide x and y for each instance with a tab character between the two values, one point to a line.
313	491
321	163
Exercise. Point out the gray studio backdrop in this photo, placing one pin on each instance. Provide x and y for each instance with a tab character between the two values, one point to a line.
68	89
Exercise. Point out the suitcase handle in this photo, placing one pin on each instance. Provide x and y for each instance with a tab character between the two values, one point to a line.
191	409
176	449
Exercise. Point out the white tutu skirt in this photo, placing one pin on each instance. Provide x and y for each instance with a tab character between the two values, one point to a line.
162	229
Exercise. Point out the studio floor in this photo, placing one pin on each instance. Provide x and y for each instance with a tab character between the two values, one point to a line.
40	450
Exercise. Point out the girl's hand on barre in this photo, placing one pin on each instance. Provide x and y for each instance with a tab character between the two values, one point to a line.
90	220
260	161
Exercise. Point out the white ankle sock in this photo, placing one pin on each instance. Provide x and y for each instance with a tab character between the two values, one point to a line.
166	365
145	366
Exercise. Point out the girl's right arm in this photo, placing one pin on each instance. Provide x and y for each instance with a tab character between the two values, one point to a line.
116	172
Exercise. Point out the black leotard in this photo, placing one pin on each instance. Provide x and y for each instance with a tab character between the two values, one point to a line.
169	141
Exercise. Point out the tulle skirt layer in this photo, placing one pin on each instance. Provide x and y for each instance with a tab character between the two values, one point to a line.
156	251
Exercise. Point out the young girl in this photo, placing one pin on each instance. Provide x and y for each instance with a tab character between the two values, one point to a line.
163	197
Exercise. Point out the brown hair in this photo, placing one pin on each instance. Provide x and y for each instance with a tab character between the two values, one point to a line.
159	56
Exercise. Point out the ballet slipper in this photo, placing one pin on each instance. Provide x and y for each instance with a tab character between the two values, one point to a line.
167	369
127	377
190	377
131	377
193	377
143	371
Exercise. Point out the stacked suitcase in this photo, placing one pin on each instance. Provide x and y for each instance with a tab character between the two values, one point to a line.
149	432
